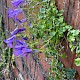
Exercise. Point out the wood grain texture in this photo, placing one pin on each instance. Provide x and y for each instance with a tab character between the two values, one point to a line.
72	17
71	11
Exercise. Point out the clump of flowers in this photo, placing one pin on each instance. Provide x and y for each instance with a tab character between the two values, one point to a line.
17	43
14	12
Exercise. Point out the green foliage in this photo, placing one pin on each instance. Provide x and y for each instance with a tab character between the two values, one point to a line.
72	37
69	74
5	53
77	61
2	63
50	28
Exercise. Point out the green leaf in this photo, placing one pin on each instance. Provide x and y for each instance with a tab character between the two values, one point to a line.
42	10
61	30
71	38
60	13
77	62
60	65
52	33
46	0
75	32
60	19
42	16
72	47
68	27
54	10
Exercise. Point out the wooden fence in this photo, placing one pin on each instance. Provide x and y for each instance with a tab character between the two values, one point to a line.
35	68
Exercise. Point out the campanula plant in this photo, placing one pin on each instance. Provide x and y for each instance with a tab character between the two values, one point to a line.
21	48
17	43
13	13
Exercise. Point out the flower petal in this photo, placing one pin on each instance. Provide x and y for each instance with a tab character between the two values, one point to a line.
17	2
13	13
16	31
10	45
10	40
28	50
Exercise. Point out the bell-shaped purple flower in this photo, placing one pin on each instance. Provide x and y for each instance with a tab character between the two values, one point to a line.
21	49
13	13
16	31
10	41
20	42
17	2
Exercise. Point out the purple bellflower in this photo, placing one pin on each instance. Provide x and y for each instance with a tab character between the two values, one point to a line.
10	41
21	49
21	42
16	31
14	13
21	52
17	2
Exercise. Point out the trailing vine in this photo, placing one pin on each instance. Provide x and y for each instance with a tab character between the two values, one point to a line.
50	28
